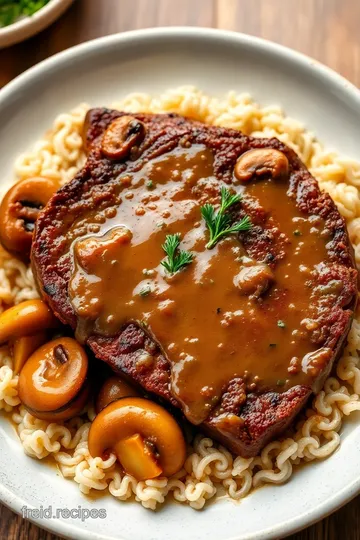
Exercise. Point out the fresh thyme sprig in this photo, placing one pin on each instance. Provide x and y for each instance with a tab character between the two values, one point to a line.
219	224
176	258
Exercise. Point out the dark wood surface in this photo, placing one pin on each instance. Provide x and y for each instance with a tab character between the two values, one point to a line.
327	30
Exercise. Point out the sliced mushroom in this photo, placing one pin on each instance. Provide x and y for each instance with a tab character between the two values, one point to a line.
53	383
159	449
25	319
260	162
113	388
121	136
19	210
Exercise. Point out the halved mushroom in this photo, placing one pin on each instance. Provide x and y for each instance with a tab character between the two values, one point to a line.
121	136
53	383
25	319
260	162
113	388
19	210
144	436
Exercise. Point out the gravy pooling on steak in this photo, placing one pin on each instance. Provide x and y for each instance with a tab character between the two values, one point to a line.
226	315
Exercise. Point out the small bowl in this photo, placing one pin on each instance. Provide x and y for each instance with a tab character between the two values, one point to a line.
29	26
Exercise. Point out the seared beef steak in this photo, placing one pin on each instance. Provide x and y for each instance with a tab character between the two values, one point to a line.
245	415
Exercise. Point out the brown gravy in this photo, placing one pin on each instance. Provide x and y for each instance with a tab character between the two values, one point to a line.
210	330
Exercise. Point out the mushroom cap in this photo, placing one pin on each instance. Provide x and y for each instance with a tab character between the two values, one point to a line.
130	416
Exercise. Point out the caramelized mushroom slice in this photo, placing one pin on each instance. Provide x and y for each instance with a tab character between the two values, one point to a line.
112	389
260	162
25	319
121	136
19	210
159	449
53	382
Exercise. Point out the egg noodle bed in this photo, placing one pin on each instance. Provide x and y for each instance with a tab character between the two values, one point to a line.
209	468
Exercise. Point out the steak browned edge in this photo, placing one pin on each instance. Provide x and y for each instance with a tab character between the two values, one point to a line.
256	418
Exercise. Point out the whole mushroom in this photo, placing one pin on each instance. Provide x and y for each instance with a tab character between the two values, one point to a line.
145	438
113	388
53	384
19	210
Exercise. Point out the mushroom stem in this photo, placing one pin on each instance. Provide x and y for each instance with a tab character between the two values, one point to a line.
136	458
25	319
23	348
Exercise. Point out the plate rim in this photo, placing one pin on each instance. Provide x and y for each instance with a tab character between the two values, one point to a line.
316	68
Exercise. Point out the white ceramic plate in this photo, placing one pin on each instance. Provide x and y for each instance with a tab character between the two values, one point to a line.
100	72
29	26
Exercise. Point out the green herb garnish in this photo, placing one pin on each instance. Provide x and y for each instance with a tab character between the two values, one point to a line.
272	345
281	324
219	223
145	291
176	258
297	232
150	184
281	382
10	11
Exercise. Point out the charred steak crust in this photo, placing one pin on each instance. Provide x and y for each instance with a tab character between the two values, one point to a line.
243	423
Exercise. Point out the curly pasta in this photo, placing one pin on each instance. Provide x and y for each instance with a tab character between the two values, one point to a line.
209	468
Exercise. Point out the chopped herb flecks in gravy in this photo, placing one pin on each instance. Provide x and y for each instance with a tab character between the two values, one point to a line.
222	314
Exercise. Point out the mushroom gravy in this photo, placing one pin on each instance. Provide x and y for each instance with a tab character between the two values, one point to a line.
225	315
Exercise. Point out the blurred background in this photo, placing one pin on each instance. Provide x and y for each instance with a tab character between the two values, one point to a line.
327	30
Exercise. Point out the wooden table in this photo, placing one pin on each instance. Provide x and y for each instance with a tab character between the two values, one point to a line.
327	30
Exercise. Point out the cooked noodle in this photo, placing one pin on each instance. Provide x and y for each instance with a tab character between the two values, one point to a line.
209	467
